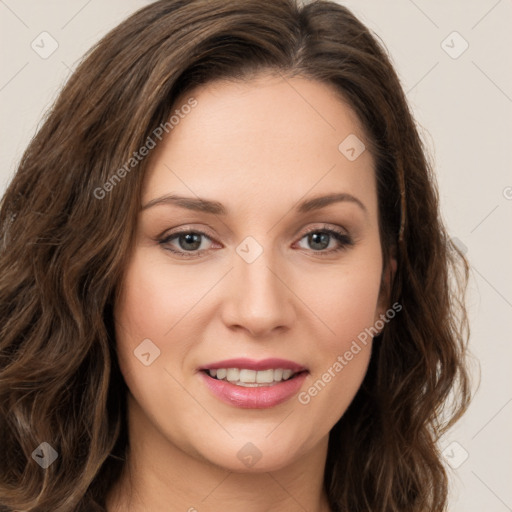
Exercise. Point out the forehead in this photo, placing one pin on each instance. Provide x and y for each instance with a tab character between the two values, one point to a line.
260	141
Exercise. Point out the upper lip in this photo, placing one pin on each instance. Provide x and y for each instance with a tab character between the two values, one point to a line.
253	364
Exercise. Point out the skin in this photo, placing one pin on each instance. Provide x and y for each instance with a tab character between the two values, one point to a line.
258	148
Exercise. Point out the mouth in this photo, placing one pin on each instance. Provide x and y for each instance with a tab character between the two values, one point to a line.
251	378
252	373
254	384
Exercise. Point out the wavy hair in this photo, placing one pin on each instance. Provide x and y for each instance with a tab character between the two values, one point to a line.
64	249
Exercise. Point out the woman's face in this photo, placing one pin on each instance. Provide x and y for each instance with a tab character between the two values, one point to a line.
249	282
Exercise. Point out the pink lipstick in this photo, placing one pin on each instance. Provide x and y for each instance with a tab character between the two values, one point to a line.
252	384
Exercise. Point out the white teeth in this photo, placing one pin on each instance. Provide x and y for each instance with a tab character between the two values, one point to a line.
286	374
251	378
233	374
265	376
247	376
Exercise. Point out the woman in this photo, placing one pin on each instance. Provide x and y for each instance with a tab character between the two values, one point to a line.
224	277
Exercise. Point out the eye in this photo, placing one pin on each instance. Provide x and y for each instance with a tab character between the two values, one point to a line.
320	239
189	244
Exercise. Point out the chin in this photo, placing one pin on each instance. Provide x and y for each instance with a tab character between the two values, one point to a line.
256	456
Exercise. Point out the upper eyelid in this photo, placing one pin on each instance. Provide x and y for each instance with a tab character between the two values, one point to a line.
189	228
184	231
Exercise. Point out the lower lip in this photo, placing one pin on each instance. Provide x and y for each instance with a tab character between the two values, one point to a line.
262	397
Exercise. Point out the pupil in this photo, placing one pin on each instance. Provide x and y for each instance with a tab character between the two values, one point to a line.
191	239
319	238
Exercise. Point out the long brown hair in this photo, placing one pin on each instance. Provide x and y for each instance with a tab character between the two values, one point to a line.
64	248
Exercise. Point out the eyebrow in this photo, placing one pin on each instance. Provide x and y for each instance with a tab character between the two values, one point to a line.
216	208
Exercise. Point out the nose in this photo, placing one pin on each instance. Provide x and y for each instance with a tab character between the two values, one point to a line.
258	299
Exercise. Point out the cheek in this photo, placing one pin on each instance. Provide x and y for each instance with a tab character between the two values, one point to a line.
344	299
346	303
155	304
157	296
148	309
161	302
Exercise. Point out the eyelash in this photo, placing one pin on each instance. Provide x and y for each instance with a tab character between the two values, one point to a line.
343	239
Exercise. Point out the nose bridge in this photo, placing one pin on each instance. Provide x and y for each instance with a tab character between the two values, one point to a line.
259	301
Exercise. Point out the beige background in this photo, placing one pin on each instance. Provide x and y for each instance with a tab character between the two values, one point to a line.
465	107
